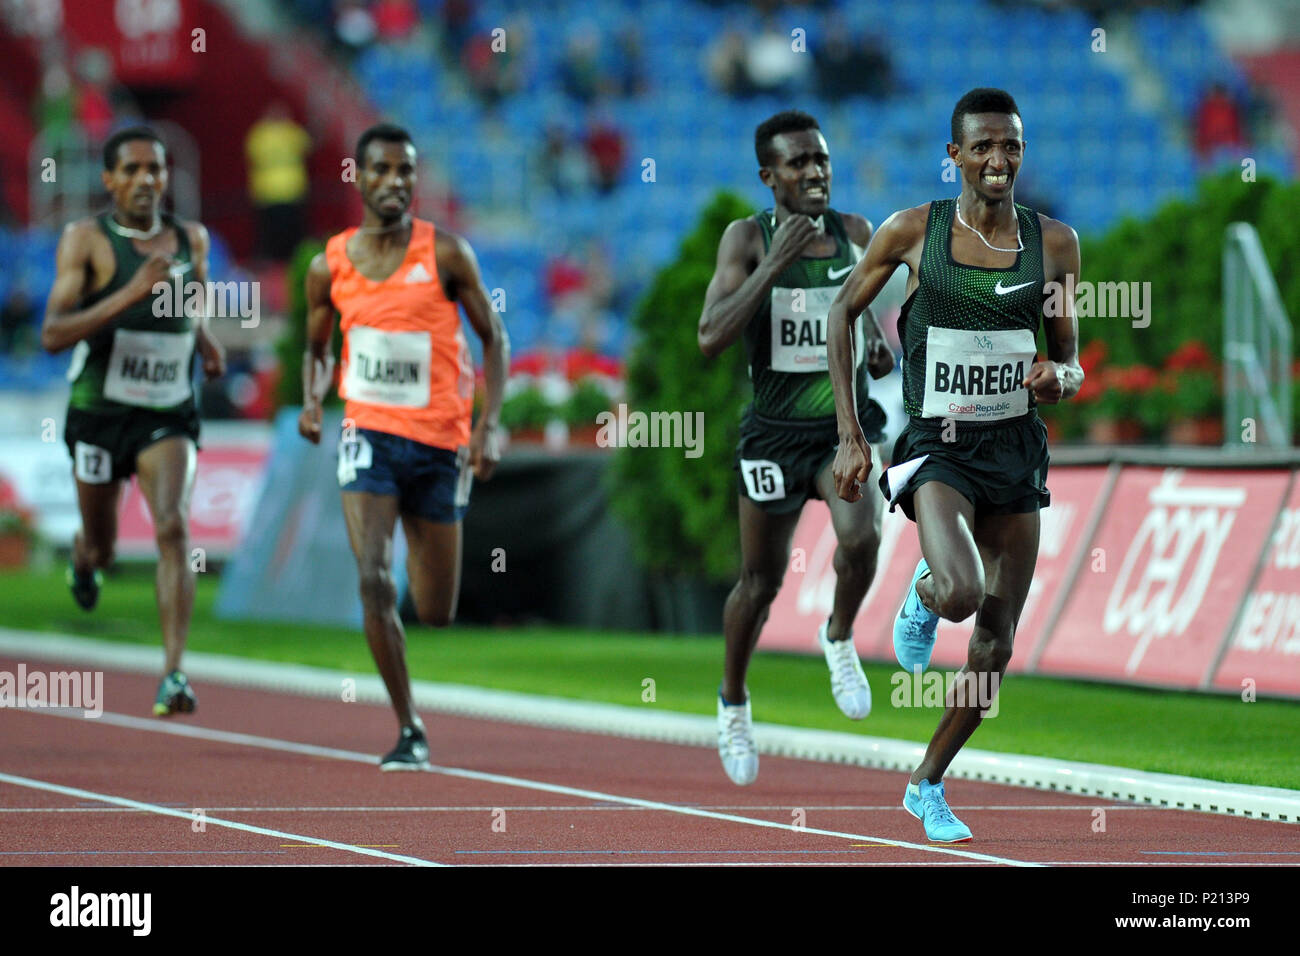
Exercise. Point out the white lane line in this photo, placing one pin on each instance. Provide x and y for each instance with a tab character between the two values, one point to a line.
1082	780
547	808
333	753
215	821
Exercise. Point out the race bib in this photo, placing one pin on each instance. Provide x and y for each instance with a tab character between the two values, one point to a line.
977	376
764	480
799	329
388	368
92	464
355	455
150	369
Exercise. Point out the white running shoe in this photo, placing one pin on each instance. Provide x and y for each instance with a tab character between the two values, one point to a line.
736	742
848	682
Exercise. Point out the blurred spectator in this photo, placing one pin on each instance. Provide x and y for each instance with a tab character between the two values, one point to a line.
727	67
492	64
17	323
774	66
564	161
629	64
850	65
277	148
95	93
607	150
395	20
1218	122
354	26
580	72
56	110
457	26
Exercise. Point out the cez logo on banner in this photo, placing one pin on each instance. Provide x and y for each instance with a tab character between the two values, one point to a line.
1159	588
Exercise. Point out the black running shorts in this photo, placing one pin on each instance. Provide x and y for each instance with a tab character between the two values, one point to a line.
104	446
777	462
1001	469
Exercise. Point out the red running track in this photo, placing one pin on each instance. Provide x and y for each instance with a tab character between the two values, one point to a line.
507	794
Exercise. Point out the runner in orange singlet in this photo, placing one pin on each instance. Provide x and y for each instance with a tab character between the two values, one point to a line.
407	447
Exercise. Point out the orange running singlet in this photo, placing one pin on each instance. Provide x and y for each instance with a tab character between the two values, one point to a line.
406	367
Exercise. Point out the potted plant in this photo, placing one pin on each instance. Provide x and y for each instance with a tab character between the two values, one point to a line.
525	414
16	528
587	400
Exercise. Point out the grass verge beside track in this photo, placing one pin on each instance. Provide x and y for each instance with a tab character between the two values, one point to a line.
1200	735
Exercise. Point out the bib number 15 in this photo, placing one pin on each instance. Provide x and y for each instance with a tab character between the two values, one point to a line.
764	480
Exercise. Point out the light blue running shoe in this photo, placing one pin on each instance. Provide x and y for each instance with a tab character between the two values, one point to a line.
926	802
914	628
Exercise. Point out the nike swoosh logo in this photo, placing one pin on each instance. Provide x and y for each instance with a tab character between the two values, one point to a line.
1001	291
837	273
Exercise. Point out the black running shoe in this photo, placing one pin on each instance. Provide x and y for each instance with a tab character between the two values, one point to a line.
84	586
175	696
411	752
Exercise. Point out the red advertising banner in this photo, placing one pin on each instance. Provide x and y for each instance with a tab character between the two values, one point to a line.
1164	575
808	592
152	41
1265	645
227	485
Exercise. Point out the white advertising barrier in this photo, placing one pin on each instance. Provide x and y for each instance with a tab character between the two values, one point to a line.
228	481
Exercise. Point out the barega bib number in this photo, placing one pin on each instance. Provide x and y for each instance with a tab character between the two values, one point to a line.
149	369
977	376
388	368
799	329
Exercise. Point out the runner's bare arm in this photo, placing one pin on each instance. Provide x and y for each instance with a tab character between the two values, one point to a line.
889	248
210	350
65	324
457	262
1060	378
879	358
893	244
318	360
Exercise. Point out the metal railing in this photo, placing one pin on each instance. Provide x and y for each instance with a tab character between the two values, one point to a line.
1256	345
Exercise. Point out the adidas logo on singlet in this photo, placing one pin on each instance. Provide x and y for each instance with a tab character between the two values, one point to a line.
418	274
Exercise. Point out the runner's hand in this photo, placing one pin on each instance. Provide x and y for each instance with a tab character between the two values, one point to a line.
309	423
791	238
484	450
1045	382
155	269
880	358
852	467
213	355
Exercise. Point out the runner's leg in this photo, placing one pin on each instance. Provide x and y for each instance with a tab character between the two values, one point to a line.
945	522
764	552
857	537
370	519
1008	545
166	473
433	558
95	540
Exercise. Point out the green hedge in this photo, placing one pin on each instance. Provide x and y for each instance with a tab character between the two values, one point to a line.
293	341
682	511
1180	252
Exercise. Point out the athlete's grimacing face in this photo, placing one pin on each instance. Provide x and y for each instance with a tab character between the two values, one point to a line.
138	180
991	151
387	178
800	176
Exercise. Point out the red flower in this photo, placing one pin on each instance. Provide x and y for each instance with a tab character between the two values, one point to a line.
1191	356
